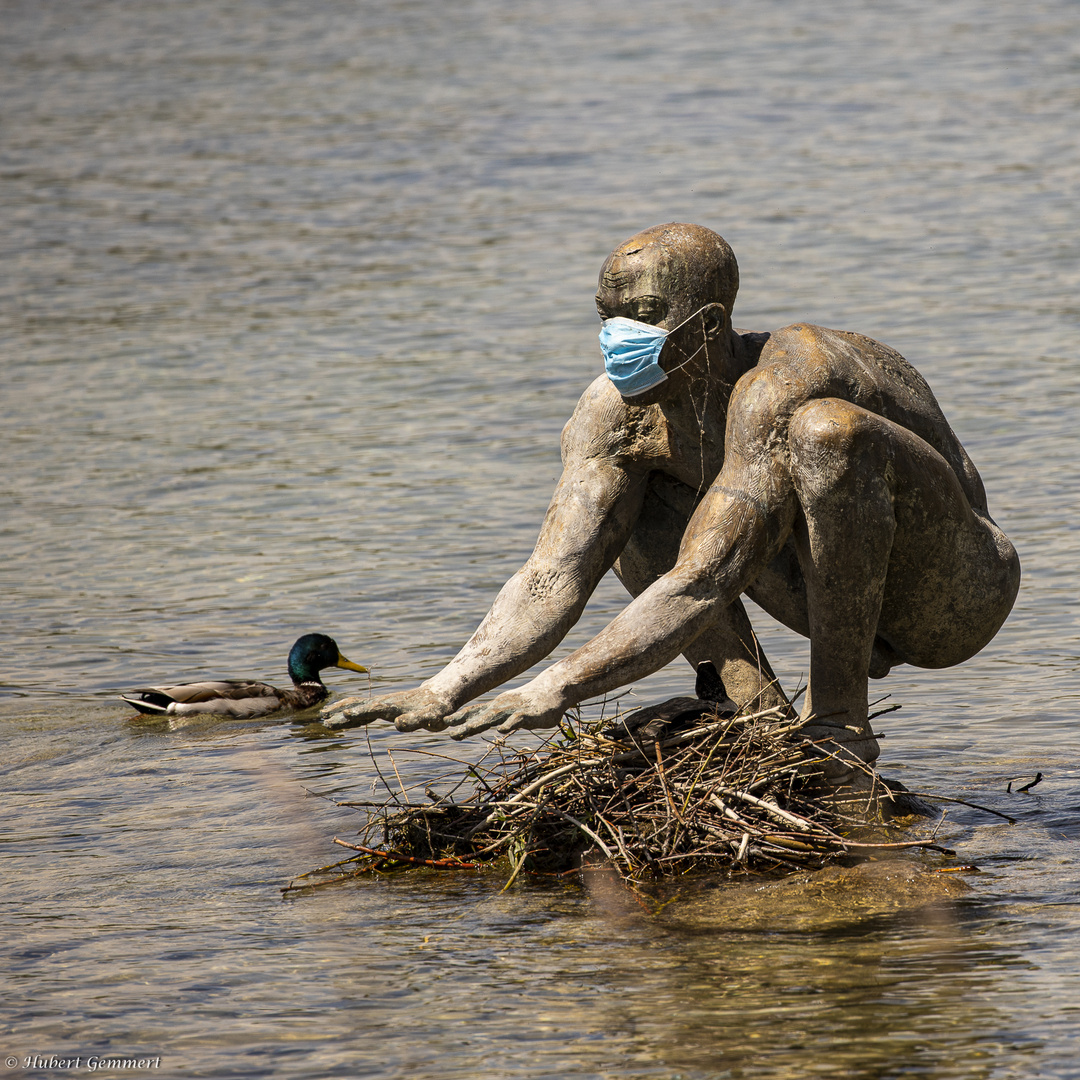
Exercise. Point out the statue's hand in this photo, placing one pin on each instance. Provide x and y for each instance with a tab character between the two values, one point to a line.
524	709
409	709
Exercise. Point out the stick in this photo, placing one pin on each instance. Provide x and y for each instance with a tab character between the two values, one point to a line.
769	808
516	871
371	754
393	856
961	802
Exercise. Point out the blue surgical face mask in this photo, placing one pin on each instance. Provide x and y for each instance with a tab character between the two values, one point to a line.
632	354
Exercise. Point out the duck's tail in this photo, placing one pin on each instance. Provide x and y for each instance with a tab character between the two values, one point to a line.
150	702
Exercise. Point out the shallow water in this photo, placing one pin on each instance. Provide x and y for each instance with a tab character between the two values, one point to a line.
294	301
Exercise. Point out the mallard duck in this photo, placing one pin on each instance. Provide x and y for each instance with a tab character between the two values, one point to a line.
680	713
245	698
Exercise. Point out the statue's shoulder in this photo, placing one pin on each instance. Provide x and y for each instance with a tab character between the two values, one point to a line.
800	339
807	340
605	425
836	352
794	363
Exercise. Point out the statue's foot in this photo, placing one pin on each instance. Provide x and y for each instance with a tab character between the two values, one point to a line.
839	754
840	763
873	800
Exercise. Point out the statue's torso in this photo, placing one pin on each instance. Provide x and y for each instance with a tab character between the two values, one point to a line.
685	439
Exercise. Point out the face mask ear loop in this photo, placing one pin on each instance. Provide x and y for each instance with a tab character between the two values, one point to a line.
691	357
704	408
704	340
704	405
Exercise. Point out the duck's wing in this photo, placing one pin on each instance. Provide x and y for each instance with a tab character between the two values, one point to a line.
679	713
651	720
231	697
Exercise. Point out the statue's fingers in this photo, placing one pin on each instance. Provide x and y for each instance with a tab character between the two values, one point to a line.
346	718
358	715
338	720
517	722
523	721
467	712
457	722
432	718
479	719
332	708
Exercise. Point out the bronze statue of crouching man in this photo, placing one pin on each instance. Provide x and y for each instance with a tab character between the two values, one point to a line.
809	469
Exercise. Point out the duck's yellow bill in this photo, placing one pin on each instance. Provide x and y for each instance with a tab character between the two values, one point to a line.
342	662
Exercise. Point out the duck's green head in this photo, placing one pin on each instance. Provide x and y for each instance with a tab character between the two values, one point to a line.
311	654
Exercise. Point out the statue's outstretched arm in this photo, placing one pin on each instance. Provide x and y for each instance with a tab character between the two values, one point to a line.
731	537
590	518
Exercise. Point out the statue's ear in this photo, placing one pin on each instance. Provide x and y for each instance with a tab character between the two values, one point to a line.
714	318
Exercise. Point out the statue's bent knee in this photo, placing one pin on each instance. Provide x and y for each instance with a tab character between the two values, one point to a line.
828	430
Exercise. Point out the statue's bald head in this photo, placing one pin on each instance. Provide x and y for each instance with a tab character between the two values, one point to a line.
664	274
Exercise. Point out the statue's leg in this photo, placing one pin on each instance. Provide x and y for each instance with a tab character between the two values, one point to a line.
731	643
890	550
780	589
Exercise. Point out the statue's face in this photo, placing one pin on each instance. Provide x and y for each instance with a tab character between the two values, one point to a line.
645	286
647	281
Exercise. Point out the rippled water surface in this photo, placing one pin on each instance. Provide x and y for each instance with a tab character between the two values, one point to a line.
294	301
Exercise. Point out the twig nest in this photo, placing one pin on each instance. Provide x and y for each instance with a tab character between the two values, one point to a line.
684	785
